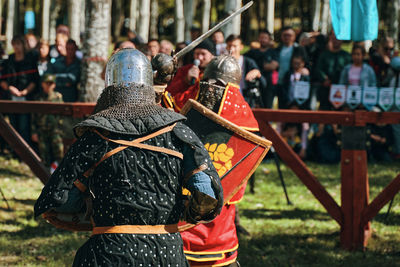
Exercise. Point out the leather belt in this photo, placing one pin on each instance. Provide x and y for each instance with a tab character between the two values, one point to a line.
136	229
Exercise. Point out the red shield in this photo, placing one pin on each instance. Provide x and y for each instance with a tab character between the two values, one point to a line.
236	153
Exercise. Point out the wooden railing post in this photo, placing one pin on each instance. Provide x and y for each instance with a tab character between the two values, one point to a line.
354	233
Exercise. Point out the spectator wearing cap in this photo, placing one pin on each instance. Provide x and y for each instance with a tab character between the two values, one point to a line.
185	84
47	128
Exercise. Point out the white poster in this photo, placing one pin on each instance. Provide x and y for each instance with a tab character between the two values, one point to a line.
370	97
337	95
353	96
301	92
386	98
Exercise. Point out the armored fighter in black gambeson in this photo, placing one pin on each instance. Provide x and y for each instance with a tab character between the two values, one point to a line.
131	159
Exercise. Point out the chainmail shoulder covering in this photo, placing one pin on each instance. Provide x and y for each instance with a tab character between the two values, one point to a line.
201	157
128	109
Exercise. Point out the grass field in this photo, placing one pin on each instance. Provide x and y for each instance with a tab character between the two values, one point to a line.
301	234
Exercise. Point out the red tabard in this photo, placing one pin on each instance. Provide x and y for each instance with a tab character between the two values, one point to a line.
236	110
216	237
219	236
180	90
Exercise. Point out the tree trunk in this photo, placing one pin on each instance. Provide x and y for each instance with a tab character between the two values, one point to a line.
205	25
74	16
144	20
179	22
55	9
133	14
301	13
117	18
270	4
188	17
394	26
1	14
154	20
95	48
10	23
325	17
45	20
233	27
317	15
82	17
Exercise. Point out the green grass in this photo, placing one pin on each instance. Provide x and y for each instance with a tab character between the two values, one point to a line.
302	234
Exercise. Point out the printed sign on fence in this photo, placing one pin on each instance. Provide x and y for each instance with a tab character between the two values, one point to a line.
301	92
353	96
337	95
370	97
397	98
386	98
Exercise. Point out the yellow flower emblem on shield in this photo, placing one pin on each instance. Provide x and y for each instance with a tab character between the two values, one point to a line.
221	155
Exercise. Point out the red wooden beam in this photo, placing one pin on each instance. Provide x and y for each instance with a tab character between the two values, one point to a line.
291	115
363	117
356	118
381	200
23	150
68	109
354	196
300	169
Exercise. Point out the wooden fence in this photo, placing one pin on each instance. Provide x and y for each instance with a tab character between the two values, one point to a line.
353	215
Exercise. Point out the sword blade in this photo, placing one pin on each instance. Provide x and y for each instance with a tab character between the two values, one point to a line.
207	34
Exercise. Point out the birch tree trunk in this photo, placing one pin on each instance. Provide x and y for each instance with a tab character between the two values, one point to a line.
82	13
232	27
270	4
188	17
74	16
95	48
144	20
179	22
133	14
45	20
317	15
154	20
10	23
325	17
205	25
55	8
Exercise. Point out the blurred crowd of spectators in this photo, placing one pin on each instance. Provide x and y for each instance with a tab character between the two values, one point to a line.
270	68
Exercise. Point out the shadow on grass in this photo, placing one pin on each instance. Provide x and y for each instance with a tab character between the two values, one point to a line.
43	229
285	214
306	250
8	172
392	219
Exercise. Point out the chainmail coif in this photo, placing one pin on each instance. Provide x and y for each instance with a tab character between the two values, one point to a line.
127	102
210	95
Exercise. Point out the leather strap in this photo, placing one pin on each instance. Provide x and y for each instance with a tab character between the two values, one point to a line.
136	229
81	186
135	143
